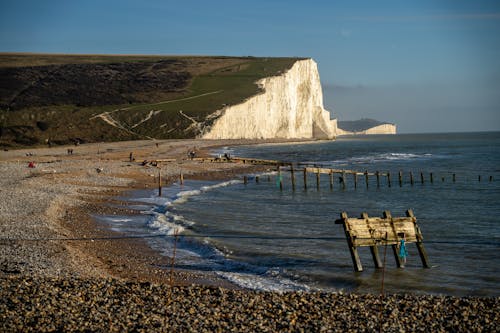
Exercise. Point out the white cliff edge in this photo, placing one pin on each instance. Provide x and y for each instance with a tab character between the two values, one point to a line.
380	129
290	107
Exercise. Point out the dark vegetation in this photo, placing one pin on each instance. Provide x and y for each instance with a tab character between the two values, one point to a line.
359	125
63	98
90	84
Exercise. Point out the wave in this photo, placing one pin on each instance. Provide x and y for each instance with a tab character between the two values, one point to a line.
164	218
183	196
377	158
269	281
165	224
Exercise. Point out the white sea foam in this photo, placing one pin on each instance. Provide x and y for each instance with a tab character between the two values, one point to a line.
267	282
183	196
164	225
169	222
374	158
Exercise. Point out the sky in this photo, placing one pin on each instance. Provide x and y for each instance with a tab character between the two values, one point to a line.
425	65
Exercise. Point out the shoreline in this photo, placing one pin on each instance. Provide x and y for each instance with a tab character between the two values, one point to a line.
68	190
95	284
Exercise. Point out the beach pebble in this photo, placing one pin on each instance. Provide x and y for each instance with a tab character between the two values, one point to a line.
70	304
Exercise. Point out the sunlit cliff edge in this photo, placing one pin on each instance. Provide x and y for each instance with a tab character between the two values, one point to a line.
289	106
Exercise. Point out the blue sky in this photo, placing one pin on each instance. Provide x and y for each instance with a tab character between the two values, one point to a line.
426	65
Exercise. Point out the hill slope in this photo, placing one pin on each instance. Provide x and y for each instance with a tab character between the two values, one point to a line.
63	98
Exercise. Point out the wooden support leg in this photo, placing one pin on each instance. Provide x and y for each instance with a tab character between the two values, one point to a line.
423	255
355	259
376	257
399	262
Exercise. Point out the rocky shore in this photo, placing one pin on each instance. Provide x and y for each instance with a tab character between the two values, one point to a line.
71	304
55	277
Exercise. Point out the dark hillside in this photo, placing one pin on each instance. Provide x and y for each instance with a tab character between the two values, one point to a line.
90	84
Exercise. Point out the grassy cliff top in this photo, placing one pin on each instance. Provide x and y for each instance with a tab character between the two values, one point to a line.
89	98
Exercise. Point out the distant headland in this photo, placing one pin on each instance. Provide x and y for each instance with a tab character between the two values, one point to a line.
365	126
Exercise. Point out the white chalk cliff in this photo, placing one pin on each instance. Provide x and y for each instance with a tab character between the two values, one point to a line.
380	129
289	106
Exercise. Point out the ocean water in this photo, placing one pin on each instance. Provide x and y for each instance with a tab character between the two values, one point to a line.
260	237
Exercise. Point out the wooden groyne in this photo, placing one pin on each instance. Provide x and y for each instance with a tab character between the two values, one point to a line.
354	178
345	178
385	230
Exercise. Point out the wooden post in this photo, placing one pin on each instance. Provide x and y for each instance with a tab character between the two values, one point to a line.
479	178
400	178
181	178
376	256
378	178
389	179
352	249
373	248
159	182
292	176
257	179
454	178
491	178
422	177
411	178
280	179
317	179
419	243
399	261
387	215
331	179
366	178
432	178
245	180
305	178
344	180
355	177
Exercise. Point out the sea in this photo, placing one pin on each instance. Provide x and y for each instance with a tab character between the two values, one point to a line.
263	237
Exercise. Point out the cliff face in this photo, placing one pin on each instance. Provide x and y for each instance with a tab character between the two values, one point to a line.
380	129
290	106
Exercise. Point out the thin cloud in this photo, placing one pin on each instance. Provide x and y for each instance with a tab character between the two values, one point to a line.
408	18
345	33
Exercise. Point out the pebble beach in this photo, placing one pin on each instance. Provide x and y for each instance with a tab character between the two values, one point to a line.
60	270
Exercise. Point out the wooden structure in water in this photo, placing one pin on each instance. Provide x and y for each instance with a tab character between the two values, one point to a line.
385	230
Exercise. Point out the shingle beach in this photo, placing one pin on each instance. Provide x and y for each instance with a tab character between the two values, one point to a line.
59	271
